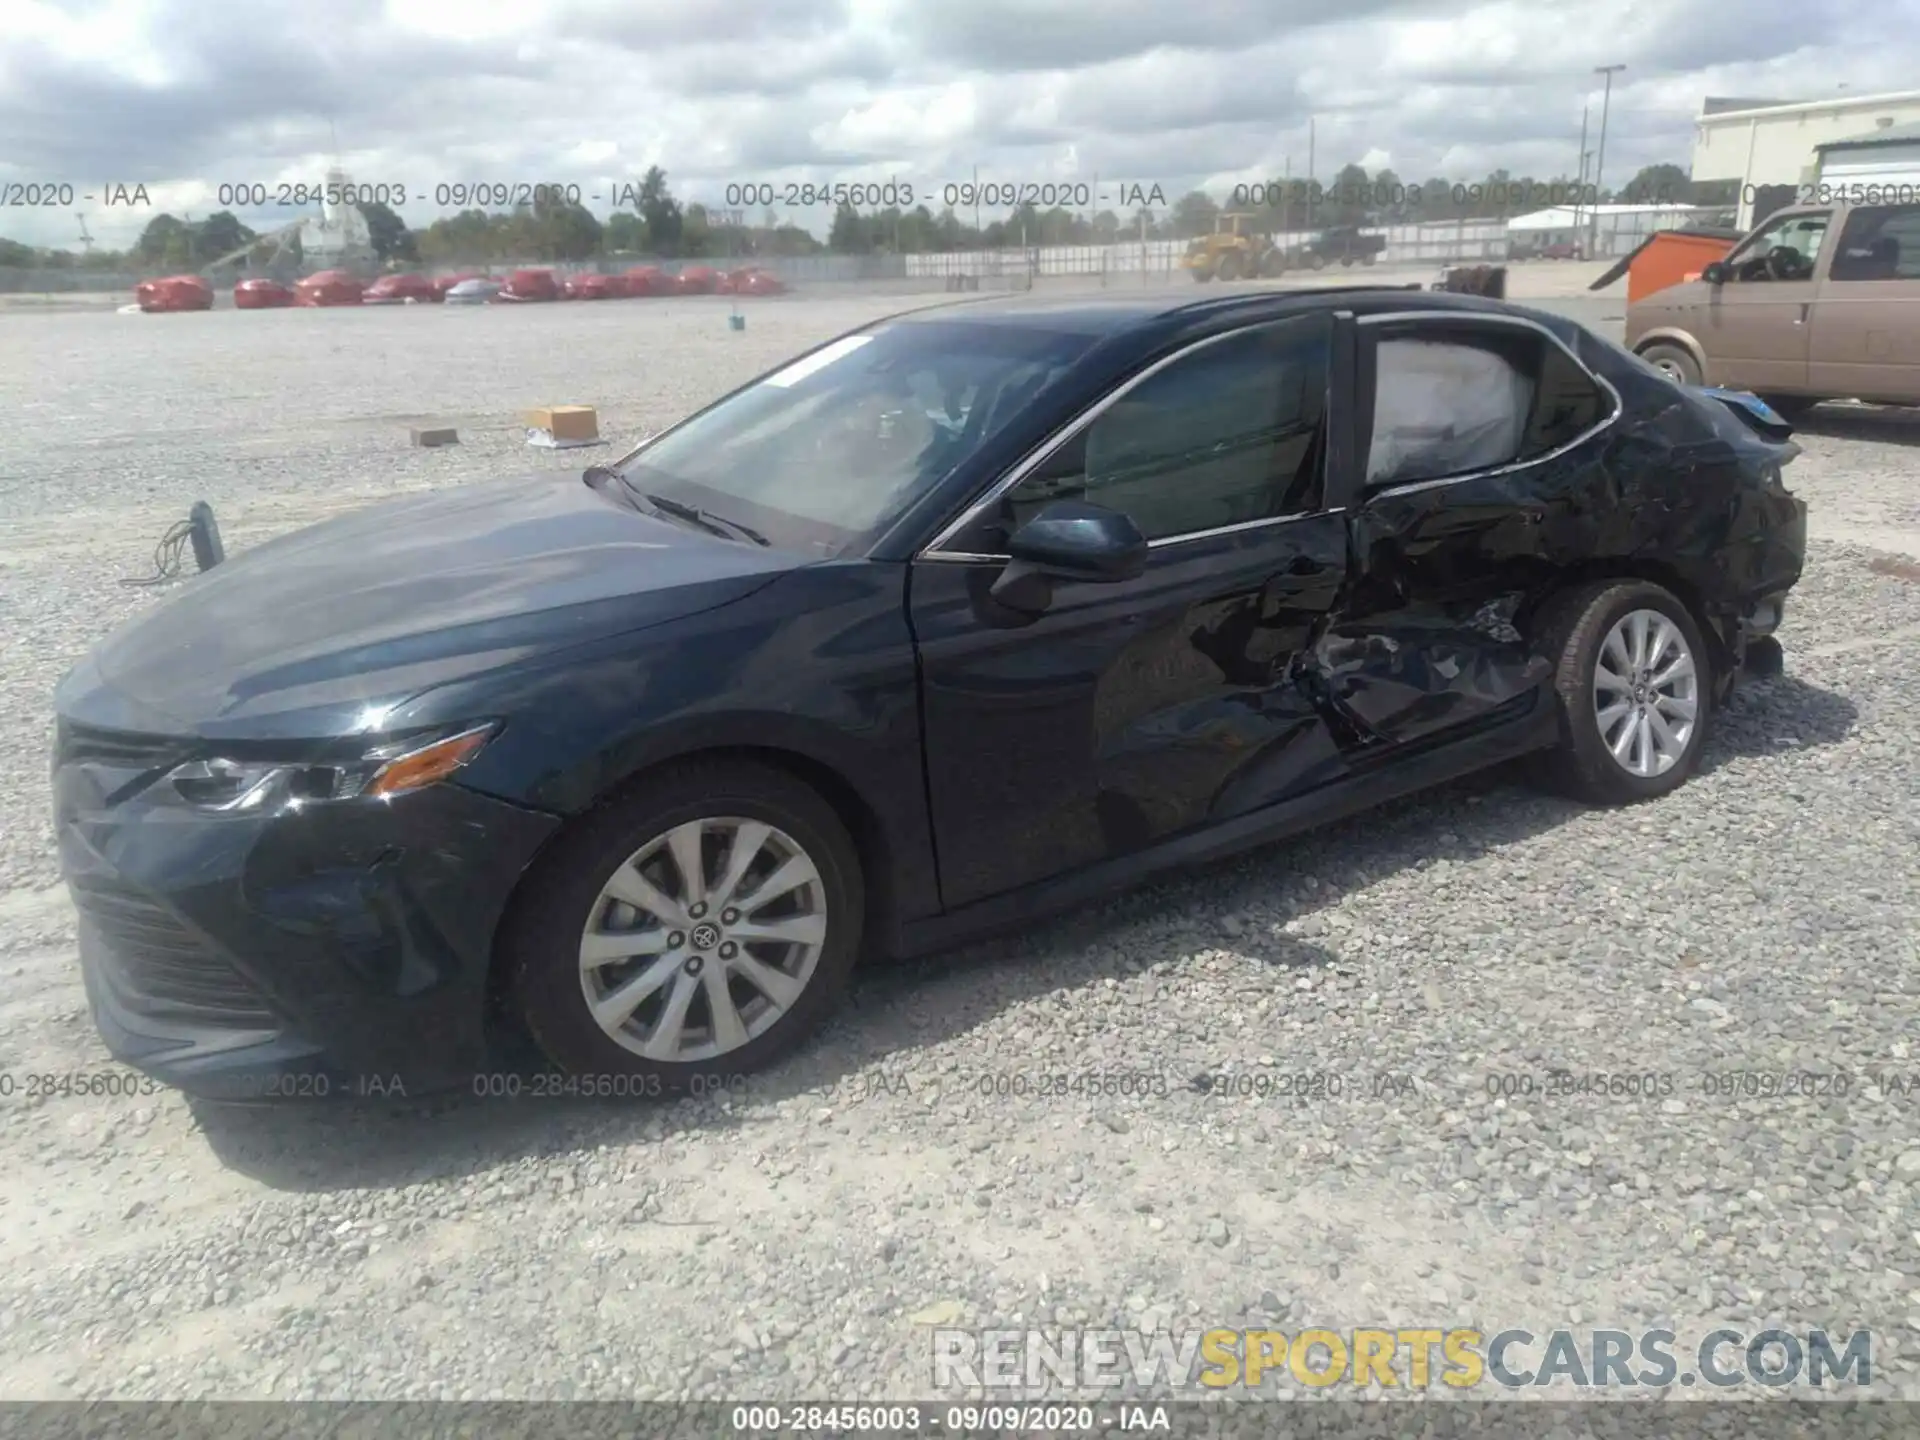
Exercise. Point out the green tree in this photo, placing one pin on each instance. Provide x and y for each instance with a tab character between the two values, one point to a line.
1194	213
164	235
391	238
1348	198
624	233
221	233
848	235
1659	185
661	211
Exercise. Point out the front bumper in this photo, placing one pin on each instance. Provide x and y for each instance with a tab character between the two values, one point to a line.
336	949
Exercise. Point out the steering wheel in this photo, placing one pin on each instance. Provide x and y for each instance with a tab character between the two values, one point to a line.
1784	263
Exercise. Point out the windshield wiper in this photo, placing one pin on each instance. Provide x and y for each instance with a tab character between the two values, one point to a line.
705	519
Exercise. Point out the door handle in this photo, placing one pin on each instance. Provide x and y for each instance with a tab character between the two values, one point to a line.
1805	309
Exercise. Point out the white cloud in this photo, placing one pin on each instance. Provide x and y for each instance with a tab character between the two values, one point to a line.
187	94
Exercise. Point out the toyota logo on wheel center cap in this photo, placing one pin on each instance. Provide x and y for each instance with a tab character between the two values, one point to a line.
705	937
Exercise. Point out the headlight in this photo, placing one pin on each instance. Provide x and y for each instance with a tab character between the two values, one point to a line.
231	786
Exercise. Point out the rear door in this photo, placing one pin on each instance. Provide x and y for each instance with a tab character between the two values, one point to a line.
1129	712
1482	479
1866	319
1755	328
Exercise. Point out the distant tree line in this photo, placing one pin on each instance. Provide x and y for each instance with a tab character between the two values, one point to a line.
660	226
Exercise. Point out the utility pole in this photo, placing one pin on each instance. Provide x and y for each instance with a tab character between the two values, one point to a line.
1600	161
1580	185
86	240
1310	172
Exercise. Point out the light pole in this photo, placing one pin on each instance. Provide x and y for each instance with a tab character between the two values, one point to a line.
1600	160
1580	184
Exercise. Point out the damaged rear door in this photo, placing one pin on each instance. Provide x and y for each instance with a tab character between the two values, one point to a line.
1483	478
1125	712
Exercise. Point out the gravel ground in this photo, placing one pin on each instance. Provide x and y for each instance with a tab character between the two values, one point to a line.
800	1237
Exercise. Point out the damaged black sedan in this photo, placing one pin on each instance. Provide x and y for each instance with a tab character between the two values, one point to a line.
972	614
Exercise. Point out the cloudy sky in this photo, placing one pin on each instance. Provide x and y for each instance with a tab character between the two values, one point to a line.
185	94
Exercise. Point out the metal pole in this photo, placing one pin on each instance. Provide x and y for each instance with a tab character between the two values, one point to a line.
1309	172
1580	185
1600	161
1286	202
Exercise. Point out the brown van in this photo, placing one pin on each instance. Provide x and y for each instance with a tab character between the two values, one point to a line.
1819	303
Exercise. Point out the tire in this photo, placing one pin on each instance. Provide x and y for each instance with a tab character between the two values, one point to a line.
1229	267
1273	265
568	900
1791	407
1368	258
1346	262
1676	362
1316	262
1573	635
1202	275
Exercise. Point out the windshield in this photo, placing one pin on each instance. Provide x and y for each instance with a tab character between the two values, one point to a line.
828	450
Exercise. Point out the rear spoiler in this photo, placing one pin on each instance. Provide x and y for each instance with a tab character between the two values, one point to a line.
1759	416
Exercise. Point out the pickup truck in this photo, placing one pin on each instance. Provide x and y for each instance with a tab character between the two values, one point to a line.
1344	244
1821	302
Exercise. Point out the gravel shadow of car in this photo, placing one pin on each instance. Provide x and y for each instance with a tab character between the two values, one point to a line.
888	1018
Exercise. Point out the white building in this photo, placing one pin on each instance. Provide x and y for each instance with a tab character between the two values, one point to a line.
338	237
1600	230
1770	147
1888	158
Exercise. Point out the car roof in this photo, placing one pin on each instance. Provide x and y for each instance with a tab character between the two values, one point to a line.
1111	315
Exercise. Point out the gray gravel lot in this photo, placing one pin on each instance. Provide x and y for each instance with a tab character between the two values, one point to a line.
802	1236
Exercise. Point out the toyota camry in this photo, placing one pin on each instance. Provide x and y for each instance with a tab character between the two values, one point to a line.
975	613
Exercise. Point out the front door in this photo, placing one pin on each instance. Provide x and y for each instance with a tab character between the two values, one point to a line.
1129	712
1866	321
1755	327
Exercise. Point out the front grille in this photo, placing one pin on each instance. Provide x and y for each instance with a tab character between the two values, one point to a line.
158	968
76	744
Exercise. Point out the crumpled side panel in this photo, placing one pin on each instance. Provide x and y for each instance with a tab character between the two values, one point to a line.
1445	578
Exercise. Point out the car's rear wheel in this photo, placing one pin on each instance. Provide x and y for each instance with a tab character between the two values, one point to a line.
1673	362
1634	684
702	927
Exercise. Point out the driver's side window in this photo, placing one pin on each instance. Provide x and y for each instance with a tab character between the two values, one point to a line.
1785	250
1227	434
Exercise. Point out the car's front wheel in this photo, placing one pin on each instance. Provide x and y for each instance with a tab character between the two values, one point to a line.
703	926
1633	681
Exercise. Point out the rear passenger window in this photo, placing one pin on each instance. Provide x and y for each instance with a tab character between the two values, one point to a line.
1879	242
1454	402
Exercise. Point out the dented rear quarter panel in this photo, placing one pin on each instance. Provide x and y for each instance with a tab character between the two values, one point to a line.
1435	629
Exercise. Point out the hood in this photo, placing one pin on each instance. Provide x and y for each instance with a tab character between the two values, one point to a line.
305	633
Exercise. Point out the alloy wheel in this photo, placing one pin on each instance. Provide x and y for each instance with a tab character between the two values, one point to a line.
1646	693
703	938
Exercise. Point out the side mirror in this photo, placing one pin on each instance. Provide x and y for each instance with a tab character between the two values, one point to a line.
1716	272
1068	540
1072	540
